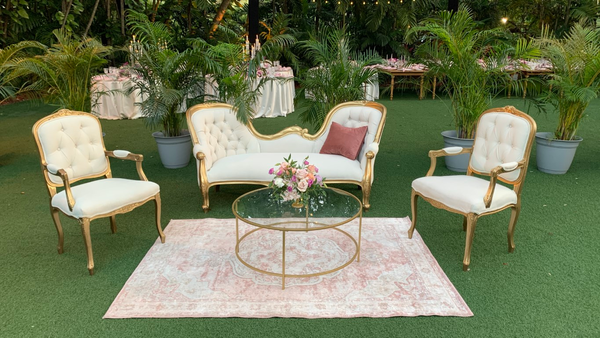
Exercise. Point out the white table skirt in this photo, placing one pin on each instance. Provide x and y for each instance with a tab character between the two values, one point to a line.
276	96
115	105
372	89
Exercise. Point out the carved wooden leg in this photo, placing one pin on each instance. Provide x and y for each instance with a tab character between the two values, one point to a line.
85	229
113	224
413	207
471	224
61	237
366	192
514	215
158	210
206	202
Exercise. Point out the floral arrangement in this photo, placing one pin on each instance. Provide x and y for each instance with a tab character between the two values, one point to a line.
296	181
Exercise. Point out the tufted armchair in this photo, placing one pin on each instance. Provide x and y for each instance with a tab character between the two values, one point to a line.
501	150
229	152
71	149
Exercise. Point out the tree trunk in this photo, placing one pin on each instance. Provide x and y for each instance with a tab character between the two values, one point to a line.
6	18
567	13
318	14
123	17
453	5
108	10
87	29
155	4
219	17
66	14
189	17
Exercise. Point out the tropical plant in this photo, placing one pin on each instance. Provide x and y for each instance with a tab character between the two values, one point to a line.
9	57
339	75
165	76
470	63
575	81
235	78
62	75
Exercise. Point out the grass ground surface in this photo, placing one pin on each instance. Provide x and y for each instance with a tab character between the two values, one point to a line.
548	287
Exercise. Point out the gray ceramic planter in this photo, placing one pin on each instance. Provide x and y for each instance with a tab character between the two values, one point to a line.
175	151
554	156
458	163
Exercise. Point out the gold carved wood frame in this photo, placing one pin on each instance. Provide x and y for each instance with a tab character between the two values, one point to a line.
66	182
470	219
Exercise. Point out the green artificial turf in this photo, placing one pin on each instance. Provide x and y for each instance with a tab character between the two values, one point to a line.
549	287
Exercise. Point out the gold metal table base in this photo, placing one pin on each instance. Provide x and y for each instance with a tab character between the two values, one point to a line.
283	273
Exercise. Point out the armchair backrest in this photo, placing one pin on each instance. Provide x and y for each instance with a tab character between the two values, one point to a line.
214	126
503	135
355	114
71	140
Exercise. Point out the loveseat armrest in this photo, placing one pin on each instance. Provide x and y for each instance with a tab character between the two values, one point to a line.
370	153
202	153
448	151
55	170
126	155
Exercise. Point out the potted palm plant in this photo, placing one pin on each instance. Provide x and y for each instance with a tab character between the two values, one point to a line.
470	64
575	82
166	79
340	74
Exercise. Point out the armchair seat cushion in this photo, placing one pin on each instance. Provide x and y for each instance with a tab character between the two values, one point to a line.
104	196
255	167
463	193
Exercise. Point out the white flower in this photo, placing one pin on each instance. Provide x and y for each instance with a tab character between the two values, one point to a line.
278	182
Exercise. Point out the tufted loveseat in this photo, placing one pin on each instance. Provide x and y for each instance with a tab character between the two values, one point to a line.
229	152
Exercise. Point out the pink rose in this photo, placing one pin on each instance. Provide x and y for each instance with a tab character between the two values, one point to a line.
290	188
305	162
302	185
301	173
313	169
271	171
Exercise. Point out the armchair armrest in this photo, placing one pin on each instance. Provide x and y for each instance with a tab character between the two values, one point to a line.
126	155
448	151
202	153
55	170
501	169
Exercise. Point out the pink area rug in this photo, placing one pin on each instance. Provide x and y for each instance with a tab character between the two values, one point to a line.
197	274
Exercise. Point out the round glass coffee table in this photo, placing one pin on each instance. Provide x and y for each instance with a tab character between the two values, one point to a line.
266	212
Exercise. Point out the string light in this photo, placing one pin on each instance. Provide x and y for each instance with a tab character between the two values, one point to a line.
364	3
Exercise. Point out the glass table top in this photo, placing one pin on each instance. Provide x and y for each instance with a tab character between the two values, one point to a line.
263	209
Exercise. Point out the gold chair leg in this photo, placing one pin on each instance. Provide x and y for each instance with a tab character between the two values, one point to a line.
366	195
158	211
471	224
514	215
206	202
465	223
61	237
85	229
113	224
413	207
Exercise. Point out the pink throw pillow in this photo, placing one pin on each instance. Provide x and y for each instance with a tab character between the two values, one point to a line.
344	141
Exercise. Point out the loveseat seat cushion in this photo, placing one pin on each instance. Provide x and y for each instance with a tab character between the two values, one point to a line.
255	167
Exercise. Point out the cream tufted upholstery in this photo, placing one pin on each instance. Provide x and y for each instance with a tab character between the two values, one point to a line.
71	149
73	143
500	138
501	150
229	152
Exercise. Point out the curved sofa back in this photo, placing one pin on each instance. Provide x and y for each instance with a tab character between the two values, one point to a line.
216	128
